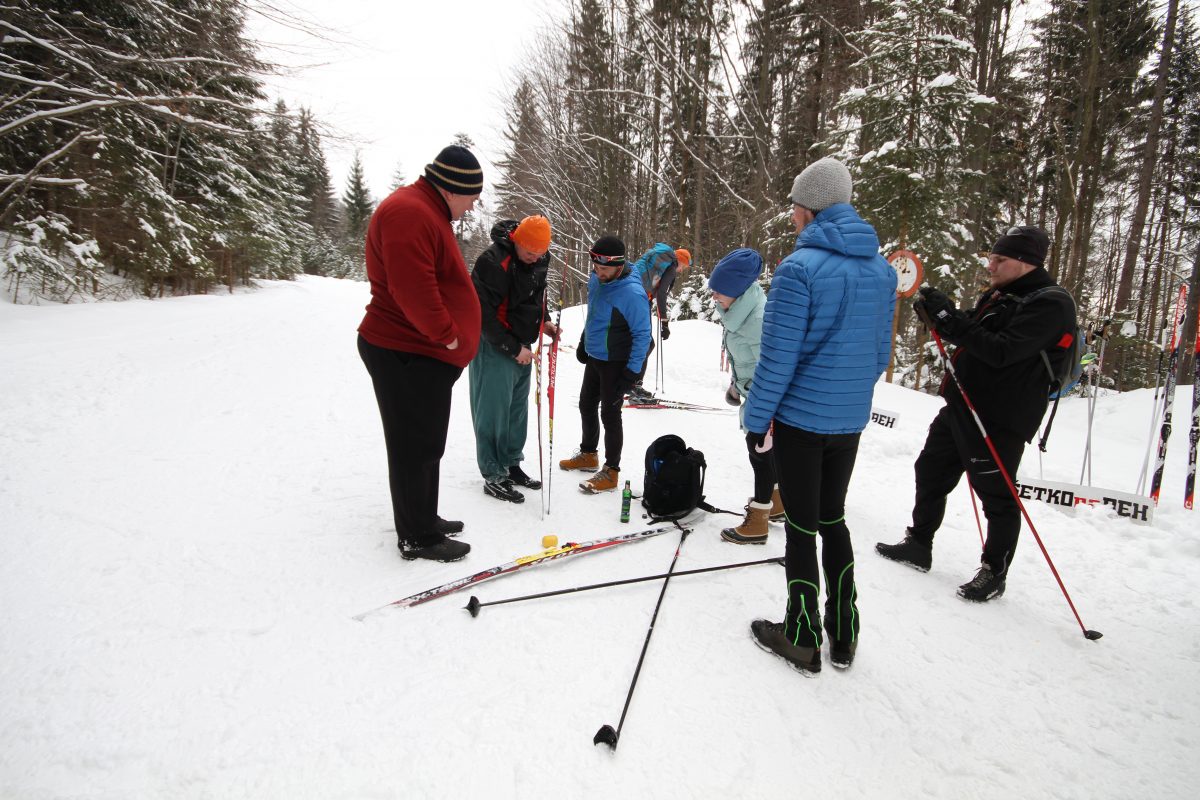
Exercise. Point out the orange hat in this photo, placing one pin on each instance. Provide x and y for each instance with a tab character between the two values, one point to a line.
685	258
533	234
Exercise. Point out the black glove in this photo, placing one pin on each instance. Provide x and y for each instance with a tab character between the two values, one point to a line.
937	309
626	381
731	395
665	331
755	441
580	353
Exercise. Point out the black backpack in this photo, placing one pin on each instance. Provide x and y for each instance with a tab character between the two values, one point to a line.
1069	351
674	484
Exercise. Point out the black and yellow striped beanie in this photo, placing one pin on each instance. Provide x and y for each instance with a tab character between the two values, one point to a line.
456	170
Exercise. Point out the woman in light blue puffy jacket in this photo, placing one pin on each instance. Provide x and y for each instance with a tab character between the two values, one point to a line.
740	301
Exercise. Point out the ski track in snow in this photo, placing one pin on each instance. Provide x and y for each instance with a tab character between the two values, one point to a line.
193	504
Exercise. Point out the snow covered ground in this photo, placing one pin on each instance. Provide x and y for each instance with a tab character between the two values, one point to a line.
193	504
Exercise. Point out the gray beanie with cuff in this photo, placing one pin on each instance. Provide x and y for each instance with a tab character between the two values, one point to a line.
822	184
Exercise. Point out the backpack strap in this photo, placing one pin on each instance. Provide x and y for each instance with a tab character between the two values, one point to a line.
703	506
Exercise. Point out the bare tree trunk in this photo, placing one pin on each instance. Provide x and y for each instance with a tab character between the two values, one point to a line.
1149	159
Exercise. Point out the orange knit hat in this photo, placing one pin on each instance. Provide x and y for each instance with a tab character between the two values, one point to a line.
684	257
533	234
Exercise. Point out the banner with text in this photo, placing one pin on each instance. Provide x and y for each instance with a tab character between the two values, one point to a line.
884	418
1133	507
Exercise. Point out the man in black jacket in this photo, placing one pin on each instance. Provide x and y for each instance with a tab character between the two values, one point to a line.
999	361
510	278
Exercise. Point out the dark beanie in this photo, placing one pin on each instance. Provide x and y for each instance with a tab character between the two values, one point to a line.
1027	243
735	272
456	170
608	251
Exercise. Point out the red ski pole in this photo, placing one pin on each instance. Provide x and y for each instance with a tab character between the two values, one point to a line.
551	371
1088	634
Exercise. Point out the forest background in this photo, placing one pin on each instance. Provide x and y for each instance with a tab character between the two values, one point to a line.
140	154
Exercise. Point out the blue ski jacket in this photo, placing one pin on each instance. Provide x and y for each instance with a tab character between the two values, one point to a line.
618	320
827	329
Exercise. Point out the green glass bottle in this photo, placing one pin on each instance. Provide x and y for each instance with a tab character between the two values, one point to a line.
626	499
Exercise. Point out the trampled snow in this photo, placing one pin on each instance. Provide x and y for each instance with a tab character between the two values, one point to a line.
193	505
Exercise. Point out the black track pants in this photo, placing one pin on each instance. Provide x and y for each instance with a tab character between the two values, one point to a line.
814	472
954	445
413	393
600	400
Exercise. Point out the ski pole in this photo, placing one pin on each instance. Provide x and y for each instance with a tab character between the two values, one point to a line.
1095	373
551	372
1088	634
1141	484
975	508
537	366
606	733
474	605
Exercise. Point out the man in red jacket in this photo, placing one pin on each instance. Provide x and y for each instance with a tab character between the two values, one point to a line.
421	329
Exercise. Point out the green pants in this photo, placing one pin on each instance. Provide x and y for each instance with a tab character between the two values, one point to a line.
499	410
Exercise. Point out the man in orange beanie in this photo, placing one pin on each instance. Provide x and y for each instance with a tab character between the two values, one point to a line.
510	279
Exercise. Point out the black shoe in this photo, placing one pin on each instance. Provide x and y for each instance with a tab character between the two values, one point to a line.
986	585
770	637
518	476
441	549
503	490
917	555
447	527
638	395
841	654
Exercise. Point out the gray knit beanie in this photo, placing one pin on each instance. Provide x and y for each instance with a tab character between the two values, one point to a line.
822	184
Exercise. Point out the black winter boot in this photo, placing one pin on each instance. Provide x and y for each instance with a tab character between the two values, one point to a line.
841	654
447	527
986	585
440	549
503	490
770	637
915	554
518	476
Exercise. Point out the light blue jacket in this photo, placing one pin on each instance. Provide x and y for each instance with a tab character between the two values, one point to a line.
743	330
827	329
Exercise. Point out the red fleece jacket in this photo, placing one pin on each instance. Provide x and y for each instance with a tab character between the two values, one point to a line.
422	298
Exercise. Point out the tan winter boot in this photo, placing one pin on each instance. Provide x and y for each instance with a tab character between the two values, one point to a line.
777	514
603	481
753	529
580	460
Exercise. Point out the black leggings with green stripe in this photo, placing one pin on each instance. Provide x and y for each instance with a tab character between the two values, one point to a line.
814	472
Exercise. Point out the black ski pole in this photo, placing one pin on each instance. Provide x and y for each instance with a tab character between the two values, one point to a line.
606	733
474	605
1088	634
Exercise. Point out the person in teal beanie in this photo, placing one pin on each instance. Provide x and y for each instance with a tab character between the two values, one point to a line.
740	301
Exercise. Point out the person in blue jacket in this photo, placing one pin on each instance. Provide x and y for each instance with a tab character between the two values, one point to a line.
657	269
616	339
826	339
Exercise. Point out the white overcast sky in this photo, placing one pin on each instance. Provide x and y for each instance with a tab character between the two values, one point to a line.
397	79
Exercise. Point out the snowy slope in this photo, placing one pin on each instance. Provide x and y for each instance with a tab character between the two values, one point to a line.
193	504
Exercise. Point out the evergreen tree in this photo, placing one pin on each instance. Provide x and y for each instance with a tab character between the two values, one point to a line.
357	204
398	177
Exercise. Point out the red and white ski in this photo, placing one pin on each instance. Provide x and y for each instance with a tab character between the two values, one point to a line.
1169	397
1189	489
550	554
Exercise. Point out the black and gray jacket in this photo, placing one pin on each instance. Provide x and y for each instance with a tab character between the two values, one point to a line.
999	357
511	294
